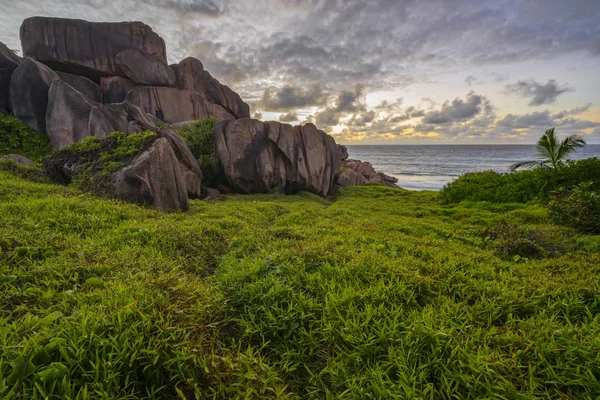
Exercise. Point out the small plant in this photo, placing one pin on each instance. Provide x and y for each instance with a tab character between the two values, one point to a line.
200	138
578	207
17	138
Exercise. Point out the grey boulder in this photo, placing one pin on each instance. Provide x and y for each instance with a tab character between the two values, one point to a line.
351	178
19	159
29	86
154	178
83	85
71	117
364	168
86	48
191	75
258	157
188	164
145	69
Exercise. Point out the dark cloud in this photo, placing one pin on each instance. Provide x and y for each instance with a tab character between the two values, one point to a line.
207	7
457	110
348	102
290	97
539	94
289	117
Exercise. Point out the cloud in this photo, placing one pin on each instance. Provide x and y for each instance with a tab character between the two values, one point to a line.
457	110
470	80
539	94
289	117
257	115
290	97
208	7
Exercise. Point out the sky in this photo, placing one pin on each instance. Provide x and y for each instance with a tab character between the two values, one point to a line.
382	72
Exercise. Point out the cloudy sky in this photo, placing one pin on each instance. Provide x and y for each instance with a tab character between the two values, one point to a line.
389	71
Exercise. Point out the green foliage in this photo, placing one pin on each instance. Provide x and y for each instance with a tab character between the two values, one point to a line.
551	152
33	172
382	293
98	158
578	207
17	138
200	138
520	186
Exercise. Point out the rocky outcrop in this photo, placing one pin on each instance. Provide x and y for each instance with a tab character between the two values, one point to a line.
351	178
83	85
29	86
8	59
115	89
191	75
70	117
145	69
86	48
154	178
169	104
358	173
19	159
262	156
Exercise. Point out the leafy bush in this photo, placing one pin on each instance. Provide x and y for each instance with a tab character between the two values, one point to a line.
530	241
17	138
200	138
97	159
521	186
578	207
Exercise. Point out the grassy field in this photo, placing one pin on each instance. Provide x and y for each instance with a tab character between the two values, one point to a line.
378	293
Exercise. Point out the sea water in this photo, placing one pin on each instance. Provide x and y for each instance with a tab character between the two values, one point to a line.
430	167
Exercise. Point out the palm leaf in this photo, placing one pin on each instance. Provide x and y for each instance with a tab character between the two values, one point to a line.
526	164
569	145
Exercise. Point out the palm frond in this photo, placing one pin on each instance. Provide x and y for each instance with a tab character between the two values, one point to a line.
568	145
547	144
526	164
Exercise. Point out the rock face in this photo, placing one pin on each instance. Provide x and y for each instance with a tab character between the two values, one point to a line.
154	178
86	48
169	104
259	157
19	159
29	86
192	76
8	63
145	69
115	89
70	117
83	85
364	168
188	165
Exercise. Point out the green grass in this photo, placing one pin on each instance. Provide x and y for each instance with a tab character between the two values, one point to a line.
379	293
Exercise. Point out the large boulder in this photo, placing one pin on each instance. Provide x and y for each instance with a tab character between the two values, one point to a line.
29	86
83	85
351	178
5	75
154	178
8	59
71	117
384	179
145	69
191	75
169	104
86	48
261	156
188	164
115	89
364	168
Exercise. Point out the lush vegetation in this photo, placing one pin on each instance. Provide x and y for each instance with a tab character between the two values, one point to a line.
95	160
200	138
17	138
522	186
378	293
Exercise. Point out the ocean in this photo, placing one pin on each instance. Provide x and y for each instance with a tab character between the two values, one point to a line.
430	167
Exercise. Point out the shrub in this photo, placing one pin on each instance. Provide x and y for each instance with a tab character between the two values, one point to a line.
513	239
200	138
17	138
578	207
521	186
